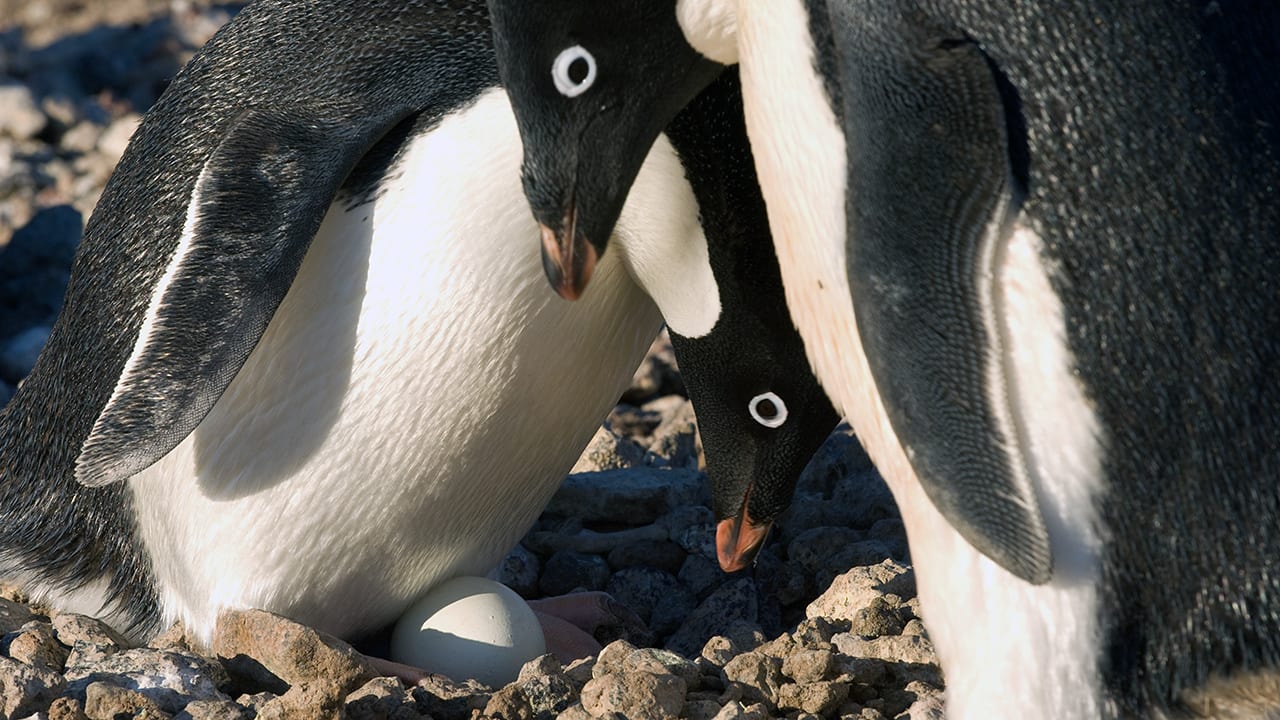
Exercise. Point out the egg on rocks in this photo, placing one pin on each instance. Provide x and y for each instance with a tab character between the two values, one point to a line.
469	627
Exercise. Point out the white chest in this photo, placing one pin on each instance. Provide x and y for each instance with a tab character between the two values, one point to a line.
410	409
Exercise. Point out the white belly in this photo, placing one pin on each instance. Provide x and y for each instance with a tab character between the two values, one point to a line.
1007	649
412	406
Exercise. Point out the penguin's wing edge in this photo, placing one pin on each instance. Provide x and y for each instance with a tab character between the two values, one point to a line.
257	204
936	152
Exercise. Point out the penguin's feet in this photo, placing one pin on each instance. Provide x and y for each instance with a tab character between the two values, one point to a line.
575	625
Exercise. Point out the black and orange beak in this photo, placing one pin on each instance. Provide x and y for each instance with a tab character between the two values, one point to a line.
739	538
567	258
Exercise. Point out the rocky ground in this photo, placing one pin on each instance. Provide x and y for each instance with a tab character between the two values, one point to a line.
825	625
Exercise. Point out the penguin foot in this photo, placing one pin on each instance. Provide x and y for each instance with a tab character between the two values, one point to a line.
576	625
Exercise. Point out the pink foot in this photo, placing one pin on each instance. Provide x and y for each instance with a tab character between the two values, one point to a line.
569	622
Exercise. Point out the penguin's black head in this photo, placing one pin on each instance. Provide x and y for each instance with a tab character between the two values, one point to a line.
761	412
590	98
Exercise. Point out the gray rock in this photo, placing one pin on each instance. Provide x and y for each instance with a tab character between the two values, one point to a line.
19	354
876	619
546	695
169	679
275	653
637	696
212	710
855	590
819	698
20	116
65	708
14	616
71	628
733	603
608	451
115	138
520	570
656	596
809	666
104	701
25	689
759	675
739	639
658	662
81	138
627	497
735	711
567	571
35	645
894	648
445	699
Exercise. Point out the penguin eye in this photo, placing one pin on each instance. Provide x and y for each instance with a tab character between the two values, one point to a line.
768	410
574	71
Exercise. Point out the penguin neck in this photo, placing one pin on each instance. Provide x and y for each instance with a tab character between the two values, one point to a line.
663	245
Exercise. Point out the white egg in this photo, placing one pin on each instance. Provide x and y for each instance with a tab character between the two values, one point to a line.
469	627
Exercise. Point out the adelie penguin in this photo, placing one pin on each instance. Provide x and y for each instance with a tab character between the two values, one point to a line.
307	361
1032	249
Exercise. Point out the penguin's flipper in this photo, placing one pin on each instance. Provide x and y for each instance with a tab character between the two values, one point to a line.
257	203
937	166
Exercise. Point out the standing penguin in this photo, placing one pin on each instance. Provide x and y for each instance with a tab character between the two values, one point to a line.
1032	249
307	362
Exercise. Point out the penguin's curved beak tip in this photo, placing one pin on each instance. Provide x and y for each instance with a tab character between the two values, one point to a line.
567	258
738	539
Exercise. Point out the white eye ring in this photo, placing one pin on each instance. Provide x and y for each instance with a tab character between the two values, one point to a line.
780	410
560	71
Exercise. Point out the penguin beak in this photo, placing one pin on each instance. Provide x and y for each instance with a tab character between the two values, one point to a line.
567	258
738	539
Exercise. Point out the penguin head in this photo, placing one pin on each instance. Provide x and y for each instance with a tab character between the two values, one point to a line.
761	412
589	101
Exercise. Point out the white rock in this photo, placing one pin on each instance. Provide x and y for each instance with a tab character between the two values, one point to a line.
855	590
20	117
115	138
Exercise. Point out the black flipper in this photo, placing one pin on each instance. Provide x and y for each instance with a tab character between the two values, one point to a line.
258	203
933	188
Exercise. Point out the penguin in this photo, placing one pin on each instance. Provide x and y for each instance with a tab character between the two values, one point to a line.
307	362
1053	225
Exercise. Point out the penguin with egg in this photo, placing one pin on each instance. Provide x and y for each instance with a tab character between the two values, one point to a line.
307	361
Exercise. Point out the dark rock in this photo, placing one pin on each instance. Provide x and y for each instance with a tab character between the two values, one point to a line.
567	571
733	603
627	497
657	376
520	570
34	268
818	698
19	354
661	554
702	575
656	596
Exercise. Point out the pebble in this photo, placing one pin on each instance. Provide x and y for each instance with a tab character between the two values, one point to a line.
20	116
567	571
636	496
